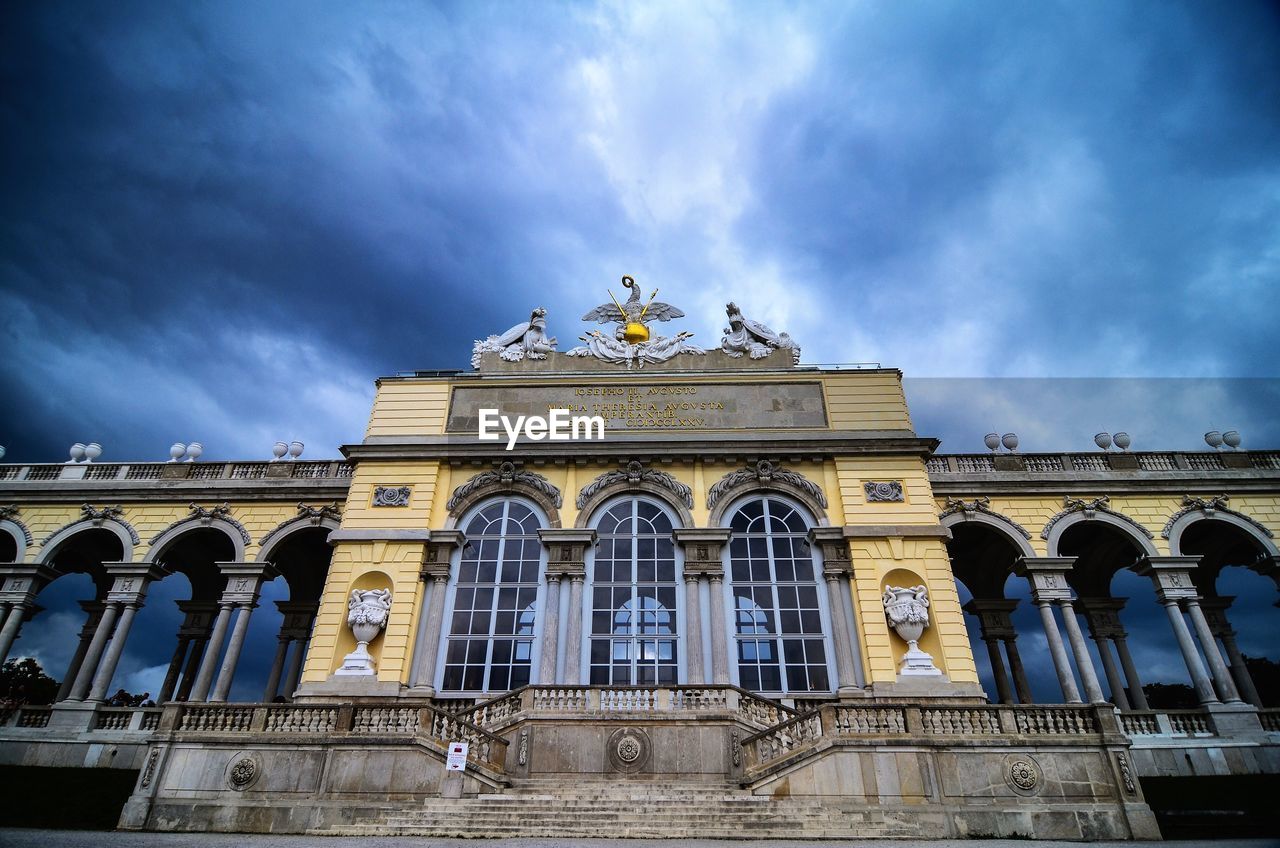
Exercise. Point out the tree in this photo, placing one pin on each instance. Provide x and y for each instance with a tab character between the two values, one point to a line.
23	681
1170	696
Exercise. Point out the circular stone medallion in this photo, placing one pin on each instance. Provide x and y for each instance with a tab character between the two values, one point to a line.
1023	774
628	750
242	772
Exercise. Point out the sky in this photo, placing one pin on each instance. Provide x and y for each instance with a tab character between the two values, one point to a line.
221	221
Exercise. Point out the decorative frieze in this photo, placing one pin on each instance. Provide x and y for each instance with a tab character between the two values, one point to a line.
205	516
633	475
979	506
506	476
391	495
313	515
1090	509
1209	506
889	491
764	473
97	517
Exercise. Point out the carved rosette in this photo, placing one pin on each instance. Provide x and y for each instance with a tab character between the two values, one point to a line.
628	750
1023	774
243	772
889	491
391	495
367	612
907	610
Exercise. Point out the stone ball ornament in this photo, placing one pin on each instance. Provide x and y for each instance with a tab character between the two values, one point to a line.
367	612
907	610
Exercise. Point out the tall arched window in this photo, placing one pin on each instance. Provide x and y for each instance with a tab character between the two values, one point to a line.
634	622
493	613
778	617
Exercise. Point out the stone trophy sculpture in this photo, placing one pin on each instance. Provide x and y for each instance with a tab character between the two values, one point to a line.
744	336
631	342
908	614
526	340
367	612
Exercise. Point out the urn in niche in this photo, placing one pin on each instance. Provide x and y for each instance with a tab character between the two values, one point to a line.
367	612
907	610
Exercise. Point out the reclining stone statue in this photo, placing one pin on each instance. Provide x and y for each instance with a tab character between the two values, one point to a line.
744	336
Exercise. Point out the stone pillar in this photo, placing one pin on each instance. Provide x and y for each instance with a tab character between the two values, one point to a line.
244	581
1215	610
198	647
693	623
128	590
191	637
93	614
84	677
435	577
1136	695
703	547
1019	673
295	668
204	678
19	585
299	616
837	569
996	625
566	560
175	668
1172	579
1103	618
1221	677
277	669
1084	663
107	670
1048	578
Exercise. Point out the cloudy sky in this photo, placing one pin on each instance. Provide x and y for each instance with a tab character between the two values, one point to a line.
221	221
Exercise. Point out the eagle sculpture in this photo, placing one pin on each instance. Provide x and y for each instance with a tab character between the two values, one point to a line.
633	315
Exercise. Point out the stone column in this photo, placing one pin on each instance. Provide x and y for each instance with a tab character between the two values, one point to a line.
126	596
996	625
244	581
837	569
1221	677
693	623
277	669
435	577
84	677
19	585
295	668
1215	610
702	547
93	614
107	670
1136	695
1172	579
175	668
566	549
204	678
192	671
193	634
1020	683
1048	578
1084	663
295	630
1103	618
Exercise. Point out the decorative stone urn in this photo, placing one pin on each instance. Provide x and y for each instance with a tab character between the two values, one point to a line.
366	616
908	614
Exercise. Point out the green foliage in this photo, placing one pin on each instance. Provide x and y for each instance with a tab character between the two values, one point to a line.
23	681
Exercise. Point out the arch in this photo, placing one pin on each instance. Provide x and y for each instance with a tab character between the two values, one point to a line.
729	500
1001	524
164	540
505	482
1184	518
123	531
1067	519
268	543
591	507
21	536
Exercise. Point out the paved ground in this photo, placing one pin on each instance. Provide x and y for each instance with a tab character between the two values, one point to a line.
98	839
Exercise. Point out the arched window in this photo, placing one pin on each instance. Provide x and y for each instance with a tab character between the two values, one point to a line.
493	614
778	619
634	622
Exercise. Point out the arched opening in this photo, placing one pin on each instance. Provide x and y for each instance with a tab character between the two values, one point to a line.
288	607
8	547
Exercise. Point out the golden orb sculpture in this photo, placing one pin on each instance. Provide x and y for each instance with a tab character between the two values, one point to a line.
635	332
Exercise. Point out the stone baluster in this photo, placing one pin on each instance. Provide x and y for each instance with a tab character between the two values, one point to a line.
128	591
703	547
1048	578
19	585
1172	579
1215	610
93	614
244	582
566	549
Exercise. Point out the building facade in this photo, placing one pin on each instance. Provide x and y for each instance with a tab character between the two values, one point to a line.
738	611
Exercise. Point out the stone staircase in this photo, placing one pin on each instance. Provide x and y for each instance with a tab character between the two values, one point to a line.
636	809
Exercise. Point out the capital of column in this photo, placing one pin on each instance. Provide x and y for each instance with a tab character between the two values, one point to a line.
1215	612
1047	576
702	548
131	580
199	617
1103	617
298	618
19	584
1171	576
834	547
994	616
440	547
244	580
566	550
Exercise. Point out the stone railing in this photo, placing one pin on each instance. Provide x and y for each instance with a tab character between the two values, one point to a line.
1187	723
776	744
127	718
1058	463
25	716
1270	720
419	721
532	700
326	469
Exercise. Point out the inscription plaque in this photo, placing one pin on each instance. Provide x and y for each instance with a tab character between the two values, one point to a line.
651	406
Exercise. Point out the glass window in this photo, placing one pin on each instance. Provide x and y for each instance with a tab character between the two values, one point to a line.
489	647
634	634
778	624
